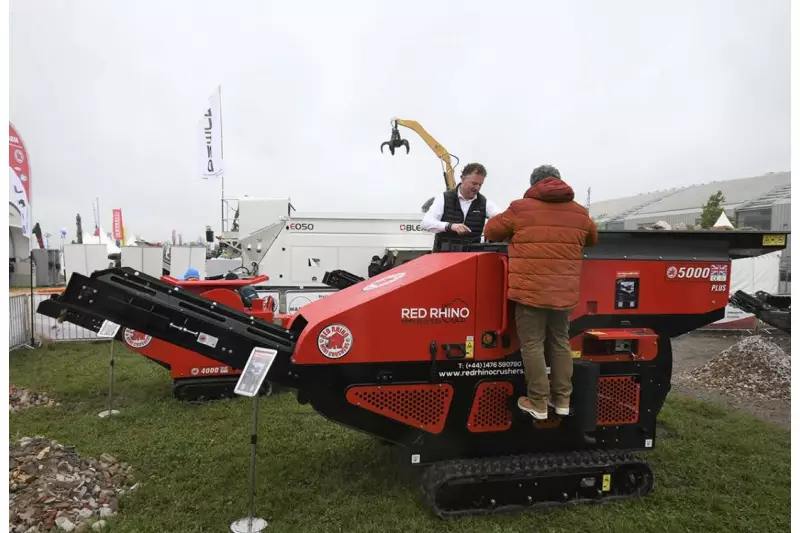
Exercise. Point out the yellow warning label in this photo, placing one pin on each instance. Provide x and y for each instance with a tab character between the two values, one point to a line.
576	354
470	347
773	240
606	481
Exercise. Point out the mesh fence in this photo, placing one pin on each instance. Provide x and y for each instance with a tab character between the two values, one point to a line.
44	327
18	321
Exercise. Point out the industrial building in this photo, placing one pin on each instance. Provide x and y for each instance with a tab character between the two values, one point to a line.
762	202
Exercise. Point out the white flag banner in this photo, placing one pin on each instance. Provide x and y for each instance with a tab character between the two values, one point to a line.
210	137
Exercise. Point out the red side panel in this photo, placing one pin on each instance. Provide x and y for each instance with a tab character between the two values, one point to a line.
225	297
420	406
455	298
617	401
662	290
490	407
183	363
492	307
429	299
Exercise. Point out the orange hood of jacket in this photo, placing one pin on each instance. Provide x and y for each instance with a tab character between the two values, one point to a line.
547	231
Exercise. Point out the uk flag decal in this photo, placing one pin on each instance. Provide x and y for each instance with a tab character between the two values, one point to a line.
719	273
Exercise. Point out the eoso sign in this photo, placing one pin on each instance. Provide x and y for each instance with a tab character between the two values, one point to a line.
301	226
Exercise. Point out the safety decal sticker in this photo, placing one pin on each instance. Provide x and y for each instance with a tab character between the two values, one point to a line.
134	339
208	340
335	341
108	330
385	280
773	240
469	347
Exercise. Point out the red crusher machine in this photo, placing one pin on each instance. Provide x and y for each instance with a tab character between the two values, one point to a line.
425	356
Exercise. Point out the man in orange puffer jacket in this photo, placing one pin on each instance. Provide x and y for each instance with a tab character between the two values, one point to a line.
548	231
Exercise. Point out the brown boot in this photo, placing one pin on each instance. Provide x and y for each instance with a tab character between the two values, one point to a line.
537	410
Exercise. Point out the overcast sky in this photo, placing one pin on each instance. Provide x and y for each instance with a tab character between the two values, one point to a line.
622	96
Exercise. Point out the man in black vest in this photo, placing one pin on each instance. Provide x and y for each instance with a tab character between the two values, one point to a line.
458	216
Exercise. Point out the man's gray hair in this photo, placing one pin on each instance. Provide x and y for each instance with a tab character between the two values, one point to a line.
544	171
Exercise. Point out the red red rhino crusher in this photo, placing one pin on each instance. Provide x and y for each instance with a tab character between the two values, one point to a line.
425	356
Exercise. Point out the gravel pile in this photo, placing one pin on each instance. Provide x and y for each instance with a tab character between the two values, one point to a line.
51	485
753	367
20	398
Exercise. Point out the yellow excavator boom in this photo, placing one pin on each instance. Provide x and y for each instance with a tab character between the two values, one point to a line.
396	142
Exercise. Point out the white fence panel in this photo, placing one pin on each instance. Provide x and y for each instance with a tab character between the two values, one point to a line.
46	328
18	321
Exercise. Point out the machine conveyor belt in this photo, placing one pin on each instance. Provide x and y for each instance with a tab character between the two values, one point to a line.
764	307
150	306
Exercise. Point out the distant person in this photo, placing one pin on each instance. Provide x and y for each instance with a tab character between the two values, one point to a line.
377	265
548	231
191	274
459	215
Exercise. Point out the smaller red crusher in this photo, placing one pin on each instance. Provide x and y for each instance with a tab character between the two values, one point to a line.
195	377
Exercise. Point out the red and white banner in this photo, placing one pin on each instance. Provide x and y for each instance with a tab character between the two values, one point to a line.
116	229
19	174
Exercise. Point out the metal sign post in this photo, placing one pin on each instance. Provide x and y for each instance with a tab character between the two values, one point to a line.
32	302
249	384
109	331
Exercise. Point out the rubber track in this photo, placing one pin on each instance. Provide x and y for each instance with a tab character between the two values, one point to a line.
531	466
205	390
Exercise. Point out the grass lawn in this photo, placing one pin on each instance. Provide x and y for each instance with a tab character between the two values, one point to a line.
715	470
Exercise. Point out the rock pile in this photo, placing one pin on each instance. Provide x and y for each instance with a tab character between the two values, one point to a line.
51	485
20	398
753	367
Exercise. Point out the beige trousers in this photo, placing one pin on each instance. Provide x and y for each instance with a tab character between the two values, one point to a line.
545	332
